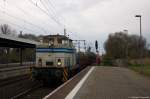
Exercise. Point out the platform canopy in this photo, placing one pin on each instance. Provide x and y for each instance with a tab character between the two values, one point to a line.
16	42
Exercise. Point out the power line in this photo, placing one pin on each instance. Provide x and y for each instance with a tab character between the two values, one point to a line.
16	25
18	18
79	44
26	13
51	5
53	12
47	13
25	21
53	9
44	11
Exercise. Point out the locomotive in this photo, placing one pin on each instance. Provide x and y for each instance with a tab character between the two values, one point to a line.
55	59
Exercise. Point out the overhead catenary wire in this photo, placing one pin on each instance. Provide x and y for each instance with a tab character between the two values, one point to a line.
28	14
44	12
49	7
48	12
17	25
18	18
25	21
53	4
53	9
52	12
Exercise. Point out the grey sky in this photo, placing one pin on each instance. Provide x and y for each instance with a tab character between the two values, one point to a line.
84	19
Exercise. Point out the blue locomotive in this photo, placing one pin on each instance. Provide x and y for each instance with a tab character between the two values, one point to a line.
55	59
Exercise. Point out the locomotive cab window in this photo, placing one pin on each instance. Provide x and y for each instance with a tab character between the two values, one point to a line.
60	41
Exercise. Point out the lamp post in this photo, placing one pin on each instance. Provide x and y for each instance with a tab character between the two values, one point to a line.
126	49
140	45
139	16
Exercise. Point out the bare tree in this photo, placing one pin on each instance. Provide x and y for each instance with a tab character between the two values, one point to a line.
5	29
5	51
121	45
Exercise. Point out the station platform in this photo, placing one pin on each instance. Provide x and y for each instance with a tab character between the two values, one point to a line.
99	82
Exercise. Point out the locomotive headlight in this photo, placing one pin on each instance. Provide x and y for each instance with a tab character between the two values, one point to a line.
59	63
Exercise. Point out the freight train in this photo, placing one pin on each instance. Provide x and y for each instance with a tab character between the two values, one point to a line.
55	59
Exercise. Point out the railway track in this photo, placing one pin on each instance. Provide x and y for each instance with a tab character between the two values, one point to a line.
20	85
39	92
13	80
25	92
13	86
23	87
36	93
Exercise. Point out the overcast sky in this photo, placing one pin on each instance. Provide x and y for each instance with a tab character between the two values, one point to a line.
84	19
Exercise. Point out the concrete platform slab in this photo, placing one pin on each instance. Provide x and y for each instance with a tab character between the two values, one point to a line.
110	83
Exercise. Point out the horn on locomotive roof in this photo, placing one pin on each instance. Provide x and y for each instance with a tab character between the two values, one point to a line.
65	34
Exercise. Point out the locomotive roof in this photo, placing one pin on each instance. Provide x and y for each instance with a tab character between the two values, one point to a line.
58	36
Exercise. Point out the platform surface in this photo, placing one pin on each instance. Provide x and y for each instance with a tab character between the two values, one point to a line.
113	83
110	83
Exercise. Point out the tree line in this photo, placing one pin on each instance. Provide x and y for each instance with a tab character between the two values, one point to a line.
120	45
123	45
